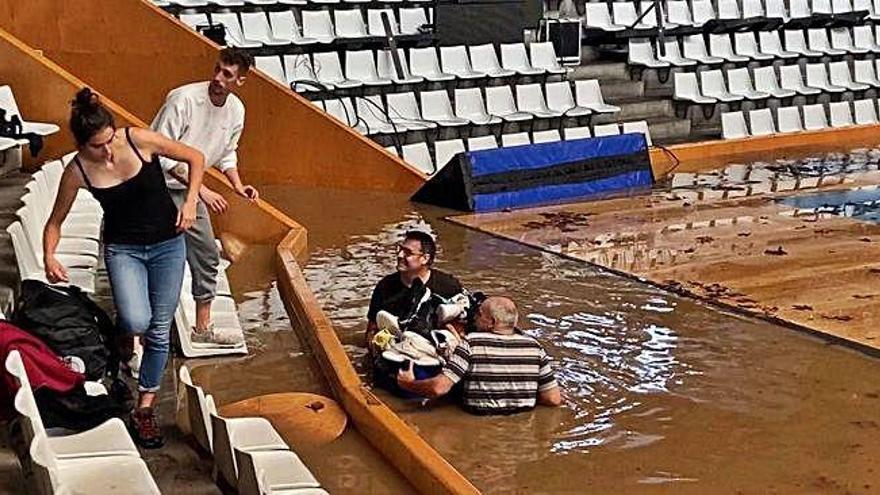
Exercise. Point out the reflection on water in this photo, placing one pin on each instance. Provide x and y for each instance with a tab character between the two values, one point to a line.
662	394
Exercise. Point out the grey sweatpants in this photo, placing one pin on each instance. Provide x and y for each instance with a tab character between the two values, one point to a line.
201	250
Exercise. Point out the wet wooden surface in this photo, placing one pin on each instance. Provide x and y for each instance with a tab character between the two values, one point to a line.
300	418
818	271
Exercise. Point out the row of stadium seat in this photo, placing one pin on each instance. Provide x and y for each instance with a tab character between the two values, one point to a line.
763	122
702	13
430	159
400	112
740	85
690	51
233	4
369	68
281	28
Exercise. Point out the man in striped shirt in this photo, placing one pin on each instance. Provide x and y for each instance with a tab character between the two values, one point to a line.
502	370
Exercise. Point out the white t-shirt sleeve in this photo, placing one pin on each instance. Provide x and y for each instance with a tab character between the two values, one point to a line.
230	156
172	121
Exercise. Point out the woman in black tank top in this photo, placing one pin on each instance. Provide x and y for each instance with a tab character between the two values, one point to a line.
143	250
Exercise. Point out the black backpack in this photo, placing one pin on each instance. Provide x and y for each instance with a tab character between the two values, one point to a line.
70	323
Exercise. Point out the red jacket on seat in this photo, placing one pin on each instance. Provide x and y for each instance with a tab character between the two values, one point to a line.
44	367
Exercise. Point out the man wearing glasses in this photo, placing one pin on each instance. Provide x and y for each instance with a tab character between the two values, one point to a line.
395	292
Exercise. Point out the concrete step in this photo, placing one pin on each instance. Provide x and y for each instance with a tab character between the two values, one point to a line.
600	70
619	89
669	130
641	108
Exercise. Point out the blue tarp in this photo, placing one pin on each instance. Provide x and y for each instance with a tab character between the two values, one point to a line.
535	156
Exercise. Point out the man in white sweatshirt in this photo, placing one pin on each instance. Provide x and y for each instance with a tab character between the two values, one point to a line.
209	117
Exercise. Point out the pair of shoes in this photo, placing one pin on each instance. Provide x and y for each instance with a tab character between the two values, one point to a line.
213	336
144	427
413	347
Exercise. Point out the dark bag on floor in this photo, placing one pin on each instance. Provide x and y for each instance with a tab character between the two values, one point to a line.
75	410
70	323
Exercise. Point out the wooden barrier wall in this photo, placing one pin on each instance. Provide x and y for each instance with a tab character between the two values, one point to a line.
135	53
711	155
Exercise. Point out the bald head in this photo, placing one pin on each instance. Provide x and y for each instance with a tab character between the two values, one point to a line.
498	315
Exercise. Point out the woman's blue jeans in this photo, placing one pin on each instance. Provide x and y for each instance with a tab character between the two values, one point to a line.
146	281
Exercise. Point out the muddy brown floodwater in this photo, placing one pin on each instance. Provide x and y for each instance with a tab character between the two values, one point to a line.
663	394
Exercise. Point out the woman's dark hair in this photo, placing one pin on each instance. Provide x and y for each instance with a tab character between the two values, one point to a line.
88	116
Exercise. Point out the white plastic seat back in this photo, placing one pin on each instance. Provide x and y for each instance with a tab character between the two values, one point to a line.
641	52
865	112
702	12
386	70
317	24
484	59
437	107
588	94
424	63
761	122
403	106
694	48
444	151
418	155
733	125
235	35
765	79
342	110
818	41
753	8
197	411
747	45
530	98
298	67
543	56
559	96
469	105
375	26
678	12
800	9
349	23
515	139
245	433
728	9
817	76
360	65
482	143
776	9
255	26
842	39
721	46
327	67
713	84
262	472
548	136
795	41
686	87
606	130
638	127
455	60
372	115
771	44
514	57
814	117
597	16
411	19
271	66
284	26
863	37
577	132
840	113
788	119
499	101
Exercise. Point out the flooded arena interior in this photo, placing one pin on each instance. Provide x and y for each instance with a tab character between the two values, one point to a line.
663	394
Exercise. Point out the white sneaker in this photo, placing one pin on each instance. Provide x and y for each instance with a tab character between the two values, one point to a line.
388	322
